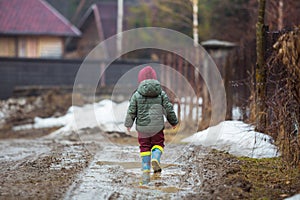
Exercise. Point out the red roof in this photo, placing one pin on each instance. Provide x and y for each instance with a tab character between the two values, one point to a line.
33	17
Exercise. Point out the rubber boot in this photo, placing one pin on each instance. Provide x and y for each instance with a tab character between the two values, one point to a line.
155	160
146	169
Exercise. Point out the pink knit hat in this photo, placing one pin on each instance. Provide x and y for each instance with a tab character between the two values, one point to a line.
146	73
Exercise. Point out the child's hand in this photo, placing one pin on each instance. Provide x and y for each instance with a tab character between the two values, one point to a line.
174	127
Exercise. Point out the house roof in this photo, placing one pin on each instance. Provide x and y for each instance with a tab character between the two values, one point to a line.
106	14
33	17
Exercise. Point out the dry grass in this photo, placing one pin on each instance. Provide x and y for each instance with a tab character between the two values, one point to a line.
283	99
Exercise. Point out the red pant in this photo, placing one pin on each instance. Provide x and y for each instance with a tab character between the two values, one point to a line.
146	143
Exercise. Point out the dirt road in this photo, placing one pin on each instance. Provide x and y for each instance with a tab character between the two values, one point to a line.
90	166
94	165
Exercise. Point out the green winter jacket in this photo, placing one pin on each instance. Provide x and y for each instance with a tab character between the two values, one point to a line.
148	105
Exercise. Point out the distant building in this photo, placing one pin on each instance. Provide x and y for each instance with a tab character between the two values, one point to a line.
33	29
98	24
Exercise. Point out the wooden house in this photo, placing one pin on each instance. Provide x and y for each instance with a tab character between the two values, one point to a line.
98	24
33	29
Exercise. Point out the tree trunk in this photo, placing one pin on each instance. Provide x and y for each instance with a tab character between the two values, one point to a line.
78	10
260	68
280	15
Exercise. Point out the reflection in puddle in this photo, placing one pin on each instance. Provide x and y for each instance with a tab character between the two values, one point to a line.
108	176
126	165
159	181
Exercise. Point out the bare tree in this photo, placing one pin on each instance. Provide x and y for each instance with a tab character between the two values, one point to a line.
260	68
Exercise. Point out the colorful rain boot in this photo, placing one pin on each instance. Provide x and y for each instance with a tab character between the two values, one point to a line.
155	158
145	167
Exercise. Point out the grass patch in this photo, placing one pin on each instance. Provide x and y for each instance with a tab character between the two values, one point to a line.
271	178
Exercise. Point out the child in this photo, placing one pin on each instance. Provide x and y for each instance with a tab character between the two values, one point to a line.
148	105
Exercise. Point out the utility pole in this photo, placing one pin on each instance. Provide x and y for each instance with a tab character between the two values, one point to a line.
195	22
120	26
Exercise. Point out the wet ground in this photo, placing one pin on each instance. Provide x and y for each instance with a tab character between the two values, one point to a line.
91	164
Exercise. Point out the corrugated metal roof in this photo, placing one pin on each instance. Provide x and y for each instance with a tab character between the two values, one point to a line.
33	17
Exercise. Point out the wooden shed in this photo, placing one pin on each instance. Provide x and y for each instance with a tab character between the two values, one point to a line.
33	29
99	23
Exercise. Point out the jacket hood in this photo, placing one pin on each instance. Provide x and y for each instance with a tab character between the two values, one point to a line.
150	88
146	73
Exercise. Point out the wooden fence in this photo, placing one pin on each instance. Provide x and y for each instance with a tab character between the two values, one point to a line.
46	73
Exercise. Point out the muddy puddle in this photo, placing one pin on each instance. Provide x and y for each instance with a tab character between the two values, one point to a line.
115	173
90	166
87	165
131	165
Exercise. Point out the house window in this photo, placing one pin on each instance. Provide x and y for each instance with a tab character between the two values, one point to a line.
31	47
27	47
50	47
7	47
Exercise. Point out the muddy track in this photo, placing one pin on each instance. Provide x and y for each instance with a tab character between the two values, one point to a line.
38	169
89	165
115	172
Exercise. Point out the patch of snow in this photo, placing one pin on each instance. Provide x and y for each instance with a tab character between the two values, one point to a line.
23	127
295	197
236	138
105	114
2	119
1	115
217	43
236	113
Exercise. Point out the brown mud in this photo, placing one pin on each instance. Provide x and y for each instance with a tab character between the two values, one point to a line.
92	164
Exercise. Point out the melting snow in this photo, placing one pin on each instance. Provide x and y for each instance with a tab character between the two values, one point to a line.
105	114
237	138
295	197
